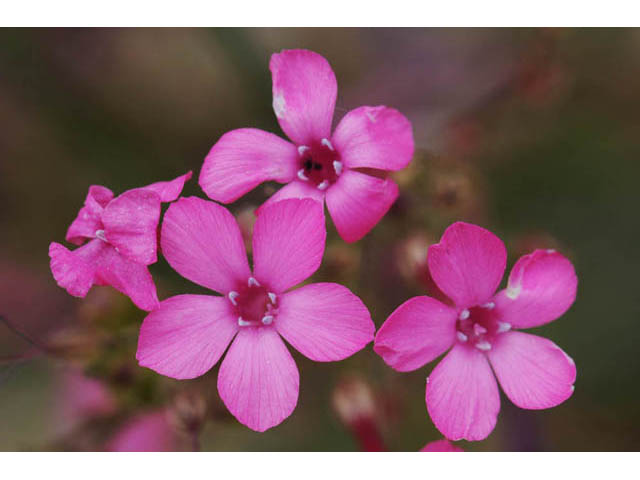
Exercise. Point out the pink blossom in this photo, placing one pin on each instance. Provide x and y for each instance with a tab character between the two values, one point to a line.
316	163
146	432
187	334
122	241
462	395
441	446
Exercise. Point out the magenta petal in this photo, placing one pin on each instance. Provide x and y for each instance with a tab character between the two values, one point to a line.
324	321
202	242
542	286
148	432
533	371
89	216
74	270
243	159
462	395
288	243
417	332
304	94
467	264
357	202
186	335
258	379
441	446
131	278
169	191
131	225
374	137
295	189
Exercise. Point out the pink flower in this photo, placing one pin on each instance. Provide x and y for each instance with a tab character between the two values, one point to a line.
441	446
122	234
462	395
146	432
187	334
316	164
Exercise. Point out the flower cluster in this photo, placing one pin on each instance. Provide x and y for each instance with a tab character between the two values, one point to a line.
257	307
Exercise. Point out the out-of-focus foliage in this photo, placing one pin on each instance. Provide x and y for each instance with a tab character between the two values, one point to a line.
531	133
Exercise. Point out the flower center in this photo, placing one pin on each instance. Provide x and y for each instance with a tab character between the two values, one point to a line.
478	326
253	304
320	164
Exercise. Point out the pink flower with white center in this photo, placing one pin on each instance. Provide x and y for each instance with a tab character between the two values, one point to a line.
122	241
186	335
316	163
479	326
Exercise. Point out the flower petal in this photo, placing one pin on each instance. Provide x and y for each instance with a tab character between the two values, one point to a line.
374	137
357	202
147	432
74	270
467	264
462	395
131	225
441	446
98	263
324	321
542	286
258	379
186	335
126	276
89	216
304	94
417	332
295	189
533	371
288	243
243	159
202	242
169	191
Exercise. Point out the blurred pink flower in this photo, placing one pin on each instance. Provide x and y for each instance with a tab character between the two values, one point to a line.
441	446
147	432
187	334
122	234
317	164
82	398
462	395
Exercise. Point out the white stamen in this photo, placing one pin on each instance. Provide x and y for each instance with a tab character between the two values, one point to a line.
489	305
573	388
513	292
279	105
302	176
337	166
253	282
503	327
484	346
272	297
462	337
242	322
551	250
302	149
267	319
232	298
100	235
479	329
327	143
323	185
464	314
427	379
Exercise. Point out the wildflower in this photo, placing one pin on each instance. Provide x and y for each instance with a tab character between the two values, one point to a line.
462	395
443	445
145	432
121	236
187	334
316	163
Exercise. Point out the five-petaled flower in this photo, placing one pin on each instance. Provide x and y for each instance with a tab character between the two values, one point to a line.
122	241
346	168
462	395
187	334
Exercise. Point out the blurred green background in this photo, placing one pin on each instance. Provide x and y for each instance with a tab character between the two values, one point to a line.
531	133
